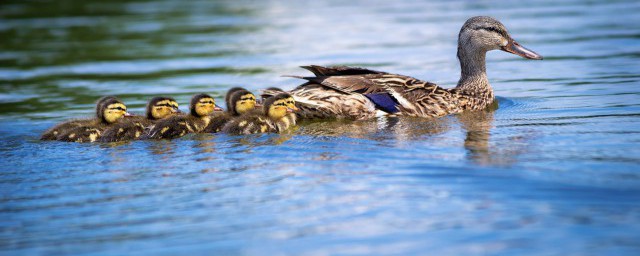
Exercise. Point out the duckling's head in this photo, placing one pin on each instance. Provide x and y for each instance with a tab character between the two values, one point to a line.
111	109
230	92
278	106
202	105
161	107
482	34
100	105
291	103
241	102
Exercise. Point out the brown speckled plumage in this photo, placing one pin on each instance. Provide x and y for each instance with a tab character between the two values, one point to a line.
341	92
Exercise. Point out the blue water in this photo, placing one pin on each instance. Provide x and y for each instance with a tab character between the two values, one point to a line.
554	170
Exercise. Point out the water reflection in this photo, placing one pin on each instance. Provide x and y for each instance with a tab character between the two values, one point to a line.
481	150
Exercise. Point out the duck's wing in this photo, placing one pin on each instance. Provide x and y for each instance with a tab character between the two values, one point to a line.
392	93
415	97
339	70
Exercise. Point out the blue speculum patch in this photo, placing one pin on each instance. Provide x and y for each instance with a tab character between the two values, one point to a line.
384	102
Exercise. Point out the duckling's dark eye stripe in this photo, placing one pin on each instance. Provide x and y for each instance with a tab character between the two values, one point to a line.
119	108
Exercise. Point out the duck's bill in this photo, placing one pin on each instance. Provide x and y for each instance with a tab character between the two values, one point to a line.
290	110
127	114
176	111
517	49
217	108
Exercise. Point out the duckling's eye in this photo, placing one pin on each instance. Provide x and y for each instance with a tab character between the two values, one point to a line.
164	105
119	108
207	102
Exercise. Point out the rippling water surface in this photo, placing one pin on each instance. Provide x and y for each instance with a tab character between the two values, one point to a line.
553	170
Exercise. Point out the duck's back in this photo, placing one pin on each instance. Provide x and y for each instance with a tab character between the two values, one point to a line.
54	132
88	132
177	126
249	124
218	120
357	93
130	128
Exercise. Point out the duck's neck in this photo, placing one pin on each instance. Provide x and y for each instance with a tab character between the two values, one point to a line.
473	78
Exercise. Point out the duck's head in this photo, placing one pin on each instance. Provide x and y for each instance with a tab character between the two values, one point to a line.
241	102
482	34
161	107
279	106
110	109
202	105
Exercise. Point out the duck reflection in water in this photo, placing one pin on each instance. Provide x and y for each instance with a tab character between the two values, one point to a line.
484	150
480	147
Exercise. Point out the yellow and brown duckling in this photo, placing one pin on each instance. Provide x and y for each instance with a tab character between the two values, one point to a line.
239	102
53	132
133	127
269	92
200	110
272	119
109	111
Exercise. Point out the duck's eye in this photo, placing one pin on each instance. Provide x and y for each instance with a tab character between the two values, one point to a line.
119	108
493	29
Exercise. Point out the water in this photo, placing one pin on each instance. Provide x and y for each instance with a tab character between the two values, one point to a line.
552	171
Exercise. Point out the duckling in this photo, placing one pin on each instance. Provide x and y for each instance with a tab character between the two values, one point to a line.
200	109
272	119
132	127
110	111
53	132
269	92
239	101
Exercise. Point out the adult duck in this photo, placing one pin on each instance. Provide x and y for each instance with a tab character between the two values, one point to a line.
358	93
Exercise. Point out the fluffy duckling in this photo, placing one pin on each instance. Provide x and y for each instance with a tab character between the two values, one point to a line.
132	127
200	109
291	103
110	110
53	132
239	101
272	119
